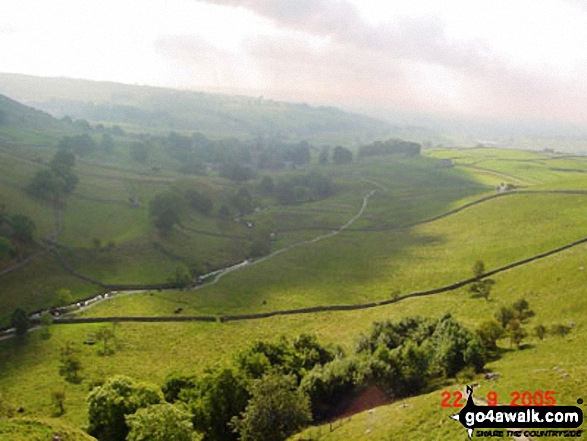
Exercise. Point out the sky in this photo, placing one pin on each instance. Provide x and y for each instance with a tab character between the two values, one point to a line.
506	59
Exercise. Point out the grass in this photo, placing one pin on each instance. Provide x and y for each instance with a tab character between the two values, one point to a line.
354	266
357	267
43	429
30	371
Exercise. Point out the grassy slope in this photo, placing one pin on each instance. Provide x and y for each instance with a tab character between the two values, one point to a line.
168	109
189	347
43	429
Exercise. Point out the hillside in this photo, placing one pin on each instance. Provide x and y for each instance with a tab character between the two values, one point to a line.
398	226
158	109
27	126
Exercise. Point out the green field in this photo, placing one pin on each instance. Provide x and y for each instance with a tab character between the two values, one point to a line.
398	244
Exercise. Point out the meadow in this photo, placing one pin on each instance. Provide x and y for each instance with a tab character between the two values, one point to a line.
391	250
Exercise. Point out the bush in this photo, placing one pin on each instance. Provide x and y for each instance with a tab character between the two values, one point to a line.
275	411
108	405
159	422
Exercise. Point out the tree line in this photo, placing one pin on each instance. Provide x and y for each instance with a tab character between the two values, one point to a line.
275	388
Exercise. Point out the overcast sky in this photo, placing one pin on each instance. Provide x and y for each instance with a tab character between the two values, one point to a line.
521	59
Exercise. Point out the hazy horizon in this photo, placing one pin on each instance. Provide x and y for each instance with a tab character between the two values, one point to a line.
494	61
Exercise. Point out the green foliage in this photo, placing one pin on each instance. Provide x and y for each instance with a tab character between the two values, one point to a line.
540	331
139	152
71	364
58	181
174	383
455	347
275	411
342	155
58	401
560	329
522	309
105	334
481	287
220	395
308	187
516	332
390	147
23	228
489	332
199	202
410	352
327	384
478	268
237	172
261	246
166	209
267	185
107	143
80	144
295	357
182	277
20	321
109	404
6	248
242	201
159	422
504	315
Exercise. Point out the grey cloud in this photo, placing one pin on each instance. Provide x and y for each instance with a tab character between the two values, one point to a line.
420	39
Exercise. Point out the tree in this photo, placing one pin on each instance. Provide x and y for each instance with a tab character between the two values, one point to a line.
107	143
58	181
23	228
182	277
275	411
110	403
504	315
220	396
159	422
516	332
489	332
199	202
105	334
342	155
237	172
223	211
80	144
58	401
540	331
165	208
139	152
20	321
6	248
267	185
481	287
523	310
97	243
243	201
175	383
560	329
70	362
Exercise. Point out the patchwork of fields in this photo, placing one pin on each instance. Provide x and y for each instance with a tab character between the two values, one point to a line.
389	251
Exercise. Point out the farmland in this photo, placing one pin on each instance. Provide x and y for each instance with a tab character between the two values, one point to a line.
386	251
392	227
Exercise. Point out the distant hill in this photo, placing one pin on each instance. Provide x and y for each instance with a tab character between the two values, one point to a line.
13	113
169	109
24	125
